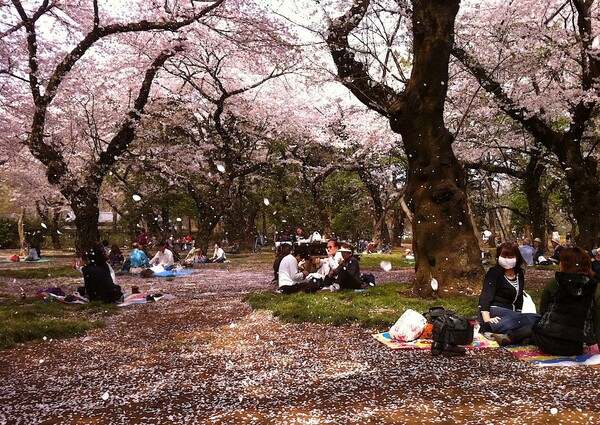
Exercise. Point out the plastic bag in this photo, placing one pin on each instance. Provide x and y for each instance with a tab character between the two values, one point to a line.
409	326
528	304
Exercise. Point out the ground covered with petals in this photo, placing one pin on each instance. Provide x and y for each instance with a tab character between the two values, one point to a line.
206	357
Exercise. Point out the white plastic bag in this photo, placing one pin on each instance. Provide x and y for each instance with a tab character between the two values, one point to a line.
528	304
408	327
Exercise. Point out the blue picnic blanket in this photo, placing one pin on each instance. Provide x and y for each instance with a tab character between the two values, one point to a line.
173	273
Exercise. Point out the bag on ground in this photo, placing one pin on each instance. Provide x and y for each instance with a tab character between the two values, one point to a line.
452	328
408	327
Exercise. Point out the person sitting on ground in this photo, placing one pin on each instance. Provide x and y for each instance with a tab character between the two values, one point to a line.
98	282
329	264
138	260
34	253
347	273
283	250
555	257
501	298
195	256
527	251
218	254
539	250
570	307
115	256
292	276
163	257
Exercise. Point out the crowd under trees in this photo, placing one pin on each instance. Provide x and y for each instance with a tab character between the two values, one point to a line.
357	118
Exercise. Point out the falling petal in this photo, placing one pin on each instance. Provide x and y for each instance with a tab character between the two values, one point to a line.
105	396
137	198
434	284
59	232
386	266
221	168
554	411
266	201
44	225
178	219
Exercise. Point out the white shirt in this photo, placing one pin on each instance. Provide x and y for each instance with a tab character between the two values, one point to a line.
164	259
219	253
289	274
330	263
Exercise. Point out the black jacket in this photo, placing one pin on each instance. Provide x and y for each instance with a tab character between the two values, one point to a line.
99	285
498	292
567	308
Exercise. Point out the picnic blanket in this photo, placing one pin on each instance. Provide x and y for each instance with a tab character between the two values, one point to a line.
173	273
22	260
131	299
479	342
532	354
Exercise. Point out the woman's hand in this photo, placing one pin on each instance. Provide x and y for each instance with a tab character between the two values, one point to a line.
485	315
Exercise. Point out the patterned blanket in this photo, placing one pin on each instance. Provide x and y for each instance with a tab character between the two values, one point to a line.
531	353
479	342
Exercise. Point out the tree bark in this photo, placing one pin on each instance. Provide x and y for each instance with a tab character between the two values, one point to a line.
445	244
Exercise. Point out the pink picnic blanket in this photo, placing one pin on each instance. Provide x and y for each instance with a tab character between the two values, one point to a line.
479	342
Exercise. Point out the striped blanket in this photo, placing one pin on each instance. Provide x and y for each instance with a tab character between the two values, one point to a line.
532	354
479	342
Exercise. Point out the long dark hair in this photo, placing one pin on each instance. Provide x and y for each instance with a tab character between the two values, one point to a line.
510	249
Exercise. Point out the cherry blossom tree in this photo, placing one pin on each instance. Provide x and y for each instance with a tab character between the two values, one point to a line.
541	69
445	242
47	64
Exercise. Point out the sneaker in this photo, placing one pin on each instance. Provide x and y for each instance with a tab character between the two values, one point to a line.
335	287
451	350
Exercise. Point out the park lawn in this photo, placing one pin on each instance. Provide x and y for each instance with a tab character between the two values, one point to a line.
396	258
375	308
35	320
40	272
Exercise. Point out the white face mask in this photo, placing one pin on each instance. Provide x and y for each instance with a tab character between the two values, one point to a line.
507	263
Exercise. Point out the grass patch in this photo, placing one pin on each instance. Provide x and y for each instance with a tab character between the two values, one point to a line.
376	308
40	272
396	258
32	320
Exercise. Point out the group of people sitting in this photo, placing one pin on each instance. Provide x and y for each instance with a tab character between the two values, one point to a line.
534	254
568	321
138	260
339	270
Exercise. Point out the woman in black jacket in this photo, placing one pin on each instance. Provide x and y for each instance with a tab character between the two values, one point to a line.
99	285
570	316
501	297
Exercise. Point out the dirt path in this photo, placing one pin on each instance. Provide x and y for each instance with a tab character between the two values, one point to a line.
207	358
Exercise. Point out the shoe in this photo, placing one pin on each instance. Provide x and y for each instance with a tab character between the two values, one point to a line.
451	350
436	348
502	339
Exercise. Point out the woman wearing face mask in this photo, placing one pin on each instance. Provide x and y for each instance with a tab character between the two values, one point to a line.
501	298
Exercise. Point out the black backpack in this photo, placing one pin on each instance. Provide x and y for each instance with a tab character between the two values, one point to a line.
451	328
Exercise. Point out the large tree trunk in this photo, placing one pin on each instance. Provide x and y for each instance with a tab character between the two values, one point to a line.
582	178
85	206
536	202
446	246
